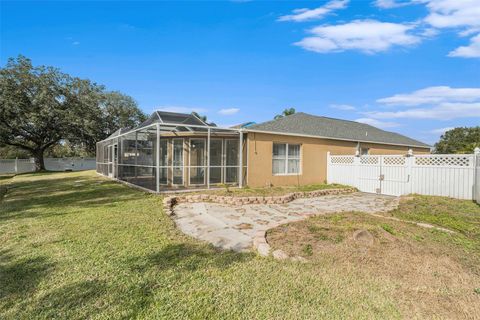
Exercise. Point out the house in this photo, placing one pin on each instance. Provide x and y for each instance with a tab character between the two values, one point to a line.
189	153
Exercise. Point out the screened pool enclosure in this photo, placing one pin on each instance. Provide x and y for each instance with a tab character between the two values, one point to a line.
173	151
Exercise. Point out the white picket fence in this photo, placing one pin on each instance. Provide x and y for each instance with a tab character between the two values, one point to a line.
453	175
51	164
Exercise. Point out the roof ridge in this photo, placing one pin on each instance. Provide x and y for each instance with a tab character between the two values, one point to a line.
334	128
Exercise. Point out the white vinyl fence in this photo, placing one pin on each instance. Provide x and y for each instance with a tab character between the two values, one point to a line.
452	175
51	164
477	178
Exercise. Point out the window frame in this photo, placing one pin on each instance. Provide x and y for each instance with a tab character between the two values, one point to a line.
287	158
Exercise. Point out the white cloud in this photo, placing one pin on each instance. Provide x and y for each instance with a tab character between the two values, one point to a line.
75	43
368	36
378	123
228	111
429	32
433	95
453	13
179	109
344	107
441	130
389	4
462	14
443	111
470	51
300	15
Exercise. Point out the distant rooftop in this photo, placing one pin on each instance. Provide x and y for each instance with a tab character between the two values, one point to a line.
243	125
306	124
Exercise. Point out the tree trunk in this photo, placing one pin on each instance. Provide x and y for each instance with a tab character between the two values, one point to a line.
38	158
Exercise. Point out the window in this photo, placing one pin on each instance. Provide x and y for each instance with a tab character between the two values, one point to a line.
286	158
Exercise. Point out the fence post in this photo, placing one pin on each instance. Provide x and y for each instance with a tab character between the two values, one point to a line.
476	174
16	165
328	167
409	163
356	169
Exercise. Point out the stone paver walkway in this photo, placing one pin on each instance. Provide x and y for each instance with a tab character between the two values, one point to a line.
233	227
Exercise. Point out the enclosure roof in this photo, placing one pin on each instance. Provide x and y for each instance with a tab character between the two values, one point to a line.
174	118
118	132
306	124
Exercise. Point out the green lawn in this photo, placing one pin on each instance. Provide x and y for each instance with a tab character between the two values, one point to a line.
75	245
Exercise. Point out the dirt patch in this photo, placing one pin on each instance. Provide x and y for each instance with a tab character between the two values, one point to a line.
422	269
244	226
363	237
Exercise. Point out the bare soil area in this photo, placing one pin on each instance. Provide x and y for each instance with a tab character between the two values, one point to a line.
431	274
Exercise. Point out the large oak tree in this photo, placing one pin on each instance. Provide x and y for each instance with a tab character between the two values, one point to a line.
41	106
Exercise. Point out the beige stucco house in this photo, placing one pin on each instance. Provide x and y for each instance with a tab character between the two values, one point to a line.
173	151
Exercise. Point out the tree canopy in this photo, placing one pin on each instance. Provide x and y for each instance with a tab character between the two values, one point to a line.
459	140
41	106
286	112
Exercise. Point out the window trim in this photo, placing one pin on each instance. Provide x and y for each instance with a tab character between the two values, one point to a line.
300	158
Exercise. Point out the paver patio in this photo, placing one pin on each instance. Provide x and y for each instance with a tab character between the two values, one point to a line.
234	227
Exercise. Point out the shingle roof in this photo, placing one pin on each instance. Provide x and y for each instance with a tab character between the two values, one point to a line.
306	124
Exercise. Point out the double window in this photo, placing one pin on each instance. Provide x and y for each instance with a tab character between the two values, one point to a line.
286	159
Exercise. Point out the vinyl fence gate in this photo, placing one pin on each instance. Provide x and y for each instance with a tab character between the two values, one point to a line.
453	175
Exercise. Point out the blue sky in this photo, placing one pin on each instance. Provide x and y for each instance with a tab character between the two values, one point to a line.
408	66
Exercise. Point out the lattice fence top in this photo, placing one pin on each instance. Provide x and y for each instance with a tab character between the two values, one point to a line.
394	160
341	159
447	161
369	160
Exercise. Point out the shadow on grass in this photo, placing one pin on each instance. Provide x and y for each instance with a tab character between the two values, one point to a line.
184	259
19	277
51	197
189	257
69	301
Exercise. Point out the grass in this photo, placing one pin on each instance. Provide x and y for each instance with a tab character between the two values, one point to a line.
76	246
272	191
433	274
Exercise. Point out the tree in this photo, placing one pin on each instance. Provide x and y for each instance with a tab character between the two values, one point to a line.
10	152
203	118
120	111
286	112
459	140
39	106
44	109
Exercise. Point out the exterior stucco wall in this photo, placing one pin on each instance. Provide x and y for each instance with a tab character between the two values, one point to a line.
382	149
313	157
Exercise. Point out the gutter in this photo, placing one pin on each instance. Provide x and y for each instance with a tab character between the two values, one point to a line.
330	138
